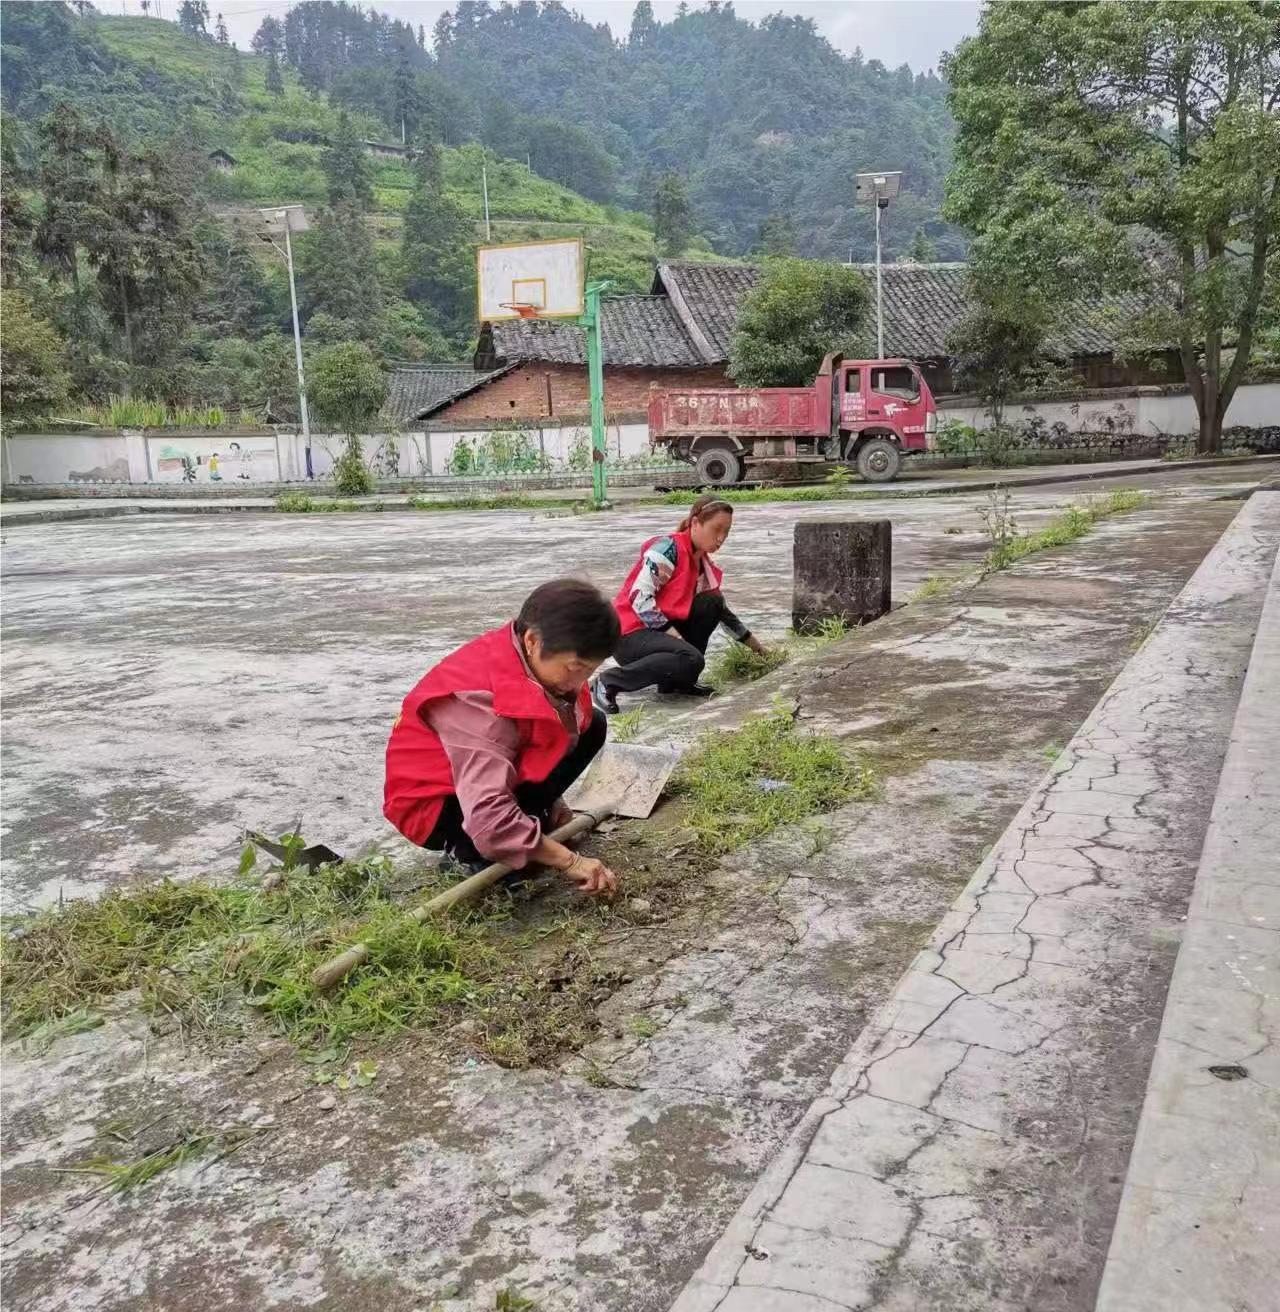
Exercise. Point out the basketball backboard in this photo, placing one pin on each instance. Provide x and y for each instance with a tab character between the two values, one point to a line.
547	275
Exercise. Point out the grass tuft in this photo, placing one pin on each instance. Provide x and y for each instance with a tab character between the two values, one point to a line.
740	784
739	664
1074	522
624	726
934	586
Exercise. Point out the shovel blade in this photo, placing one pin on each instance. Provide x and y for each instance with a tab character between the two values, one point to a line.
627	777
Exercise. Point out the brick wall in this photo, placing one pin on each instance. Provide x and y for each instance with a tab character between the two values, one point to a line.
523	393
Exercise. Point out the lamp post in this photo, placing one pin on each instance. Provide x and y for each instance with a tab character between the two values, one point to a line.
877	189
286	220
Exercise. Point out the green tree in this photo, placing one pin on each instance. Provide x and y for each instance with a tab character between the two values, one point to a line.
1134	144
193	17
777	236
274	83
571	156
437	248
33	375
269	38
643	26
224	37
339	269
118	227
672	214
348	389
408	104
997	348
17	218
922	250
797	312
347	167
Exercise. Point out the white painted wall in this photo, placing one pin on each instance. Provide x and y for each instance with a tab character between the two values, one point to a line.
69	458
131	457
1253	406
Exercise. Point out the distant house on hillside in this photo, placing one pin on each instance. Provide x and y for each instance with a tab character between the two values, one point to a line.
679	336
222	161
387	150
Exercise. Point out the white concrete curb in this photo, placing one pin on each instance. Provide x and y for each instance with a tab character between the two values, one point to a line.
950	1162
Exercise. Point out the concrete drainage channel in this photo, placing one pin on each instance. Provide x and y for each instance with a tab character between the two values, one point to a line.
970	1150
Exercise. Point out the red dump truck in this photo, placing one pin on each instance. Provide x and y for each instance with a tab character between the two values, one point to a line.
870	412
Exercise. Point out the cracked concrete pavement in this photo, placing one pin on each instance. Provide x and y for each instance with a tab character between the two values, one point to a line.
968	1152
170	681
1200	1211
448	1180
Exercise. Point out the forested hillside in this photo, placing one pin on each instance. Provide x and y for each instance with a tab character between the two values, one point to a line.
760	120
136	151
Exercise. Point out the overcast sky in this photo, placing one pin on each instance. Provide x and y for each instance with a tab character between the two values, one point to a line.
895	32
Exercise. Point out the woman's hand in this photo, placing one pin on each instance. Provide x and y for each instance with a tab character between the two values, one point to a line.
591	876
755	645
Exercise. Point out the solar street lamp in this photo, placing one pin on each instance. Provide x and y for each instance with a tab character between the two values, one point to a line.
282	221
877	189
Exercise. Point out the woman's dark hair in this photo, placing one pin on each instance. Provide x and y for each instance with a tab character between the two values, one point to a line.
707	506
570	615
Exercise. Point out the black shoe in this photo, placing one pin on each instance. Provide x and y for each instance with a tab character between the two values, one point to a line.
472	863
603	697
689	690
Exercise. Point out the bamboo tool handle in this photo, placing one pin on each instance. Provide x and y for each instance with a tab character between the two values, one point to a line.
325	976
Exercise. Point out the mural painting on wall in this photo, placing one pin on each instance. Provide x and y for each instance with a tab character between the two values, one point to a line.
241	459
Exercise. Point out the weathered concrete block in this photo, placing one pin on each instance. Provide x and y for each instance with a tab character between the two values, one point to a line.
843	570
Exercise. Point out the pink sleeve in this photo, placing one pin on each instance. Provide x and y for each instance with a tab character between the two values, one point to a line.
482	749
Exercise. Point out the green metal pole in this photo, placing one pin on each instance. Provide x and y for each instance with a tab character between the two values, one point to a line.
595	378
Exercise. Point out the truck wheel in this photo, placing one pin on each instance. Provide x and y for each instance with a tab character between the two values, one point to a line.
879	460
718	466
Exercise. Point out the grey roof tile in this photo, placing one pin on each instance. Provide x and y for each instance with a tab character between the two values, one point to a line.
415	391
636	331
922	302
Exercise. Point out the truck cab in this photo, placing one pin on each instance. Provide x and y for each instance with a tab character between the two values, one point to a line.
879	405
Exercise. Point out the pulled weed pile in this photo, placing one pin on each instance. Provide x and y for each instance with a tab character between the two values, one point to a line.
219	960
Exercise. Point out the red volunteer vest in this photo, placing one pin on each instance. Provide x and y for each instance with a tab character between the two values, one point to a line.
418	773
676	596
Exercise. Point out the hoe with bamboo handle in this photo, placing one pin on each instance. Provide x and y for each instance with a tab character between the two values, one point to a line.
334	970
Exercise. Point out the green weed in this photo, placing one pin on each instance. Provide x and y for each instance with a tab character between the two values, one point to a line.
831	629
742	783
498	501
624	727
295	503
1074	522
643	1027
933	586
739	664
121	1178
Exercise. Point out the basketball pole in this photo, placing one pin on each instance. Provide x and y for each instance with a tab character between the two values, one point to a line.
595	378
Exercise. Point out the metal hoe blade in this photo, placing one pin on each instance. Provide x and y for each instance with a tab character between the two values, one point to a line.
626	777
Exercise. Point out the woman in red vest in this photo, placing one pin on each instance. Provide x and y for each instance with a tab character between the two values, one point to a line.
669	607
491	737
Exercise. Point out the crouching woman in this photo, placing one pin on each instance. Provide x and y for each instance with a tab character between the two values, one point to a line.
670	605
489	739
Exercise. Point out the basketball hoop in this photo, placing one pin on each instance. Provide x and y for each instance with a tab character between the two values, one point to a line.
522	309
